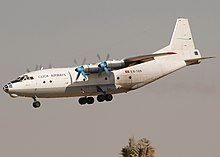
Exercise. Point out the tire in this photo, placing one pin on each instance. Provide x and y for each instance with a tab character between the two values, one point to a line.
36	104
82	101
108	97
100	98
90	100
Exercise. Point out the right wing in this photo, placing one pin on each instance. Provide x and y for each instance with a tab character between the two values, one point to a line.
144	58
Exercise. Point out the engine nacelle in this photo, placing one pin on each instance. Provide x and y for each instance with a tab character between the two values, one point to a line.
115	64
91	68
111	65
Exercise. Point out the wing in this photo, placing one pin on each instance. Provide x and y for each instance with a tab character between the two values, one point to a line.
116	64
144	58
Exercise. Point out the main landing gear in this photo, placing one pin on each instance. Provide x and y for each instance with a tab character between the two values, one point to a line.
86	100
105	97
90	100
36	104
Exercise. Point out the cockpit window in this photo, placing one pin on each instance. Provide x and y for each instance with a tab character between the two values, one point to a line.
23	78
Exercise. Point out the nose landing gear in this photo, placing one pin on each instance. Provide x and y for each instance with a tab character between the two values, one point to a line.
36	104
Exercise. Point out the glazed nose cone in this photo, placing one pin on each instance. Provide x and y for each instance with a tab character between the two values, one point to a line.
5	88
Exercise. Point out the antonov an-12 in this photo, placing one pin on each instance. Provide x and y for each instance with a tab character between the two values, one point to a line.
110	76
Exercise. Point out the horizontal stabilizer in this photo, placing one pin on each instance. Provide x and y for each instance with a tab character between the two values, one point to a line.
196	61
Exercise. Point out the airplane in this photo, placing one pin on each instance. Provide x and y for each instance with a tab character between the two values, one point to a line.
109	77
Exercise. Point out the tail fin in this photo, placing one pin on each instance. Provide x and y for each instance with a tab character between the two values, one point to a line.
182	41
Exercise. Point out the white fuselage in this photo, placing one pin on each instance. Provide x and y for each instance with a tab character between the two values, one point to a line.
61	82
109	77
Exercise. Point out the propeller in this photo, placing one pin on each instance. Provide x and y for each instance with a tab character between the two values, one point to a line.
39	67
50	66
28	70
80	69
36	67
83	62
103	65
107	57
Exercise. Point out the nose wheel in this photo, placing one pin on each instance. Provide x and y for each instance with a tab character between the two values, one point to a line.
36	104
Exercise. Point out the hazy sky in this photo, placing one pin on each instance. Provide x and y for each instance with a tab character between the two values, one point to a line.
180	113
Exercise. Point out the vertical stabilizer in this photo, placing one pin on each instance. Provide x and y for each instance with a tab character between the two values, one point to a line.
182	41
182	37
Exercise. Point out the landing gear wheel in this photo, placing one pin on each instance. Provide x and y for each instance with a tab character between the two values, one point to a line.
101	98
108	97
82	101
36	104
90	100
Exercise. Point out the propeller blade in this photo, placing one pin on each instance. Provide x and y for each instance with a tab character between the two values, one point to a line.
100	72
36	67
84	61
107	71
99	57
108	56
75	62
78	76
83	74
41	67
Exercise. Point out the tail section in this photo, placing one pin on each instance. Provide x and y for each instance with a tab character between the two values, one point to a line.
182	37
182	42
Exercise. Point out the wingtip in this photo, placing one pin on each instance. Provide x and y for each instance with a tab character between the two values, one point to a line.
210	57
